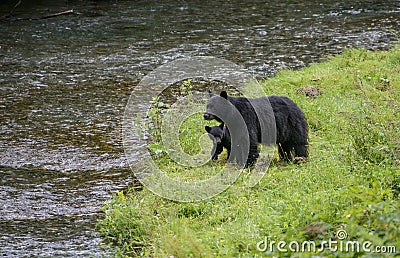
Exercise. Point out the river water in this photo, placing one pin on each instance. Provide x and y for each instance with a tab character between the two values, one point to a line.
64	83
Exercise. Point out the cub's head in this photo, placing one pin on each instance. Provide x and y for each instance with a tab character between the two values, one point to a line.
215	132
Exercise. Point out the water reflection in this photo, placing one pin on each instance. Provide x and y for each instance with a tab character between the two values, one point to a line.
64	82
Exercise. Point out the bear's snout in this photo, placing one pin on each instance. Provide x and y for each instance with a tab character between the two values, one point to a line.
208	116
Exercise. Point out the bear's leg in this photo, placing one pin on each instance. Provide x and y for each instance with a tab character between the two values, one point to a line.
301	151
215	156
231	154
285	151
228	149
253	155
280	151
218	151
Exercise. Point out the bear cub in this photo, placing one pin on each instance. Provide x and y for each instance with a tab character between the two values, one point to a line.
222	139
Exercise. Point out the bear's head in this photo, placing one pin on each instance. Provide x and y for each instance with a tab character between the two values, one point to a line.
215	105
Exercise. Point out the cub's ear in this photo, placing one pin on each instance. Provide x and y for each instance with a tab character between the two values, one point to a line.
224	94
210	93
208	129
221	126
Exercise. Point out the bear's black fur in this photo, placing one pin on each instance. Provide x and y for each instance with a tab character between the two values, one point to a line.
290	121
220	134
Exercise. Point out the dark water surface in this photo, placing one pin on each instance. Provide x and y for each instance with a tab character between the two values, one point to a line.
64	83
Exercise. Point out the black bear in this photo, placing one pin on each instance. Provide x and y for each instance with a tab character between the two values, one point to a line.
220	134
290	123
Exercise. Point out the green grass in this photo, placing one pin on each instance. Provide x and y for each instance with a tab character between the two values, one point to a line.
351	180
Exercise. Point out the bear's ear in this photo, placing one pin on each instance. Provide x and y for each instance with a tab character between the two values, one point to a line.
224	94
210	93
221	126
208	129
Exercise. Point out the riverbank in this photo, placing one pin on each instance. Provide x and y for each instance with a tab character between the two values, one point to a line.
350	184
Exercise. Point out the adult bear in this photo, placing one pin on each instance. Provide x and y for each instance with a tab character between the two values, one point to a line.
290	123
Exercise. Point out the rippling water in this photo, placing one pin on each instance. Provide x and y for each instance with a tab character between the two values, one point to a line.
64	82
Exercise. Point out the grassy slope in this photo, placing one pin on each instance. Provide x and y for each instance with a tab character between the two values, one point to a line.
351	181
